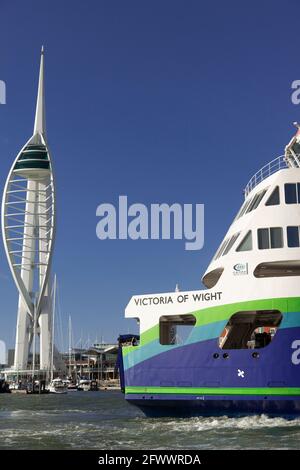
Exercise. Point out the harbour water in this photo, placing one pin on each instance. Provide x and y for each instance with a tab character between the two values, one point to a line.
103	420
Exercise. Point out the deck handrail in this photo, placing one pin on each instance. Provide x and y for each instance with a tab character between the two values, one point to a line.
279	163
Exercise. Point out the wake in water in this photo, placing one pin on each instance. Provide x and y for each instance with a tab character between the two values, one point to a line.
225	422
105	421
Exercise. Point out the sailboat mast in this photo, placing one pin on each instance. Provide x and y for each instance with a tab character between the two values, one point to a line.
53	320
70	346
34	341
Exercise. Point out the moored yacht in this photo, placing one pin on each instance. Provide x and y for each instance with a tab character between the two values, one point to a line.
235	346
71	386
58	386
84	385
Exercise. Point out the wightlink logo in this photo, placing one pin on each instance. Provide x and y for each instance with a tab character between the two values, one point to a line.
240	268
2	92
157	222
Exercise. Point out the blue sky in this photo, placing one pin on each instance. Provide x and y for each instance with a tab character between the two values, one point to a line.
164	101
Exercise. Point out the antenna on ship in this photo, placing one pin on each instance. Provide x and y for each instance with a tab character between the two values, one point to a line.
292	150
177	288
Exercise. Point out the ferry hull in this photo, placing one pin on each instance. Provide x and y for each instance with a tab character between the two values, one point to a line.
199	378
186	406
194	368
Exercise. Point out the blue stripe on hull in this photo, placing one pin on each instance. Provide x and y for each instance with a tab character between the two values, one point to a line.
193	365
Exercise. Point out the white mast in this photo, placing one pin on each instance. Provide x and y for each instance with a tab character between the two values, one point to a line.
53	323
70	345
34	343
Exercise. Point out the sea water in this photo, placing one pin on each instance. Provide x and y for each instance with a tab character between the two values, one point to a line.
103	420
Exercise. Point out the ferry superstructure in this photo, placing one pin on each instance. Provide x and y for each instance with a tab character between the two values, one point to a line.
242	353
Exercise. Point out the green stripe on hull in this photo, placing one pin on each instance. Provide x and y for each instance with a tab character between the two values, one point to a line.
293	391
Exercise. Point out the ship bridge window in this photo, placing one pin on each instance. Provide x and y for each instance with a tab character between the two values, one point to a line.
246	243
243	209
250	329
269	238
220	250
226	245
292	193
231	243
274	199
175	329
251	204
256	200
293	237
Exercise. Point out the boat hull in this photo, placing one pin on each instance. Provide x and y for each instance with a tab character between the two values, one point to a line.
199	377
195	405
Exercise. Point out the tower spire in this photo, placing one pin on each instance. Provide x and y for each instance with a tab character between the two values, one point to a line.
40	119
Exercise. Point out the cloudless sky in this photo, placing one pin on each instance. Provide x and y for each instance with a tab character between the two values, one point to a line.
164	101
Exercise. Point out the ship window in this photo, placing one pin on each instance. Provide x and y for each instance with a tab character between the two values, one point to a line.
223	246
210	279
250	329
263	238
246	243
256	200
175	329
220	250
278	269
274	198
243	209
293	237
276	237
247	204
269	238
251	206
292	193
231	243
239	211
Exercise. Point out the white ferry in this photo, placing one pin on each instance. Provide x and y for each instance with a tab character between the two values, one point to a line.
242	350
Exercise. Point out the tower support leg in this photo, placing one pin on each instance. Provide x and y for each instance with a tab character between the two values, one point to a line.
45	328
23	332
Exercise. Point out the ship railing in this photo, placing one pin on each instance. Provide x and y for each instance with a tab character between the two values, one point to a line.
270	168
